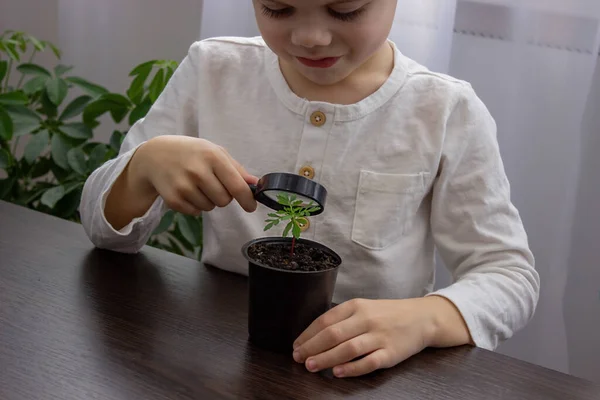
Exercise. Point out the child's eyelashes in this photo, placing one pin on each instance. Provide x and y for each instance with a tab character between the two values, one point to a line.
280	13
288	11
347	17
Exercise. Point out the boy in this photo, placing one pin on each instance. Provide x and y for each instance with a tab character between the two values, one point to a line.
409	158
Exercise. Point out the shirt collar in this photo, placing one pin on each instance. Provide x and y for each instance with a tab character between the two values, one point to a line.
340	113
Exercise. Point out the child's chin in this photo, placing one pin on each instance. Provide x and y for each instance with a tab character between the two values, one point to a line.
325	77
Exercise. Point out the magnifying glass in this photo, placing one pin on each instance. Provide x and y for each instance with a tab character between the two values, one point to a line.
280	183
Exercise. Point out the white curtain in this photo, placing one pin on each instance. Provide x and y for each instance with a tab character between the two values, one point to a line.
535	64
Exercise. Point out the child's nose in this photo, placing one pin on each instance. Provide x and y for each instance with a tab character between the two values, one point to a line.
311	37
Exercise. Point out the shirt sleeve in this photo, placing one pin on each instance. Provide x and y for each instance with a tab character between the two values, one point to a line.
478	231
173	113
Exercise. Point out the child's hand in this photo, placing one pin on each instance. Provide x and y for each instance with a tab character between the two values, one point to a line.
386	332
194	175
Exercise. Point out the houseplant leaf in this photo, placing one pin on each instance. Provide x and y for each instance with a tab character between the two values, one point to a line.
98	156
12	52
33	69
24	120
75	108
41	167
38	44
196	227
6	186
175	248
77	130
6	125
62	175
116	104
35	84
60	148
171	66
52	196
117	99
55	49
77	161
136	90
116	140
165	223
36	145
143	68
67	207
157	85
4	159
89	88
181	239
32	196
3	69
186	229
166	64
140	111
47	107
60	70
14	98
71	187
57	90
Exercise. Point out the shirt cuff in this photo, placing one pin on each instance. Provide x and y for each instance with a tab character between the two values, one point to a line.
157	207
467	309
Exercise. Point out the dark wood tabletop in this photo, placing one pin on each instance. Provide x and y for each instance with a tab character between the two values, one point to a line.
80	323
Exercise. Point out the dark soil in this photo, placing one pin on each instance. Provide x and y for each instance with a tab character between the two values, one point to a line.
305	258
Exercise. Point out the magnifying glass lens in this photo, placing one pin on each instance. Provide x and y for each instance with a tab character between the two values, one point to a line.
275	196
274	189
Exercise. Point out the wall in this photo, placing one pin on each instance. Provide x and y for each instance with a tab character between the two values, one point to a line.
19	15
106	39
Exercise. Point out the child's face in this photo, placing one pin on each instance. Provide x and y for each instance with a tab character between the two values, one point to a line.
325	40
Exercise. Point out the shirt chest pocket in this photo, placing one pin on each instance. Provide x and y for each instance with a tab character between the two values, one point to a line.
386	205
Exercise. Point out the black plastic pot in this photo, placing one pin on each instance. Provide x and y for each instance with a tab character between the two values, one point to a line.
282	303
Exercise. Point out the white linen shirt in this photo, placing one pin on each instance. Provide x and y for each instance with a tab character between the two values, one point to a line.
412	168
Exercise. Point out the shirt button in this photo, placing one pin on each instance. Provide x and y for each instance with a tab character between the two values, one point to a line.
304	226
307	172
318	118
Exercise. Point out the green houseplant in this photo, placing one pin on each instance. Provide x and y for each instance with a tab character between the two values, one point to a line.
57	136
49	174
291	280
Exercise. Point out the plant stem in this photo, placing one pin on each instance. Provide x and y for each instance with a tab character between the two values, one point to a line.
293	244
10	63
23	75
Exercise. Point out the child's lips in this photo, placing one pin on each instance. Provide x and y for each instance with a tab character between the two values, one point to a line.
326	62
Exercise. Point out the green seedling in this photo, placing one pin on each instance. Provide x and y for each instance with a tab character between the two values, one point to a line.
294	213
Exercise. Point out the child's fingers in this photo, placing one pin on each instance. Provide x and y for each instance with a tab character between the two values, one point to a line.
181	205
248	177
199	200
344	353
331	317
376	360
235	184
331	337
212	187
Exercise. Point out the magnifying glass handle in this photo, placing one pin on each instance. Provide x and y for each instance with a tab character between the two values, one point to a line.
253	188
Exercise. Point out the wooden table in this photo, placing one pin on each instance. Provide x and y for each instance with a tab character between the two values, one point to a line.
80	323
